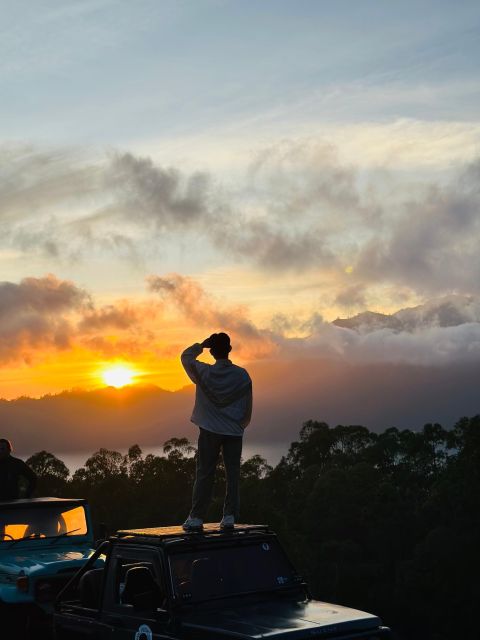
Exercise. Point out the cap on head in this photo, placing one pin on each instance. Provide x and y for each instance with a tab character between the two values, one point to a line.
220	345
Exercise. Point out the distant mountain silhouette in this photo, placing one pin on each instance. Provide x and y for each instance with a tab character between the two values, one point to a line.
286	393
449	311
80	420
369	321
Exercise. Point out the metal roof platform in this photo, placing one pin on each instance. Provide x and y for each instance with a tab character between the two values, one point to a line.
160	534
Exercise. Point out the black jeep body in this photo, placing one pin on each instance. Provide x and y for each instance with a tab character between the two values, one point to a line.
165	583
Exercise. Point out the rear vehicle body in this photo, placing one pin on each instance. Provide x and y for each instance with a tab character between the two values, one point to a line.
43	542
165	583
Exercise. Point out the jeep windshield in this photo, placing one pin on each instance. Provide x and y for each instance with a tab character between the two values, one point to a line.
220	572
45	521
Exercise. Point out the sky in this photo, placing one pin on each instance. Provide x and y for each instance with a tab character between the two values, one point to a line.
171	169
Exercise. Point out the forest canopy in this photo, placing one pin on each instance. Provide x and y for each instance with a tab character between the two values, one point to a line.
386	522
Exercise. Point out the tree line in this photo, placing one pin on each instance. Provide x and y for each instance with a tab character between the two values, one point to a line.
386	522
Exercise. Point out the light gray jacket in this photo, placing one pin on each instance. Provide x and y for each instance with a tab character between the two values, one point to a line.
223	398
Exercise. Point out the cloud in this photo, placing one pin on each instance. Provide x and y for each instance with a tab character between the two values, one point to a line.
352	296
448	311
156	195
384	229
124	345
56	202
202	310
36	181
131	324
36	189
48	294
431	242
273	248
61	205
121	315
438	333
434	334
303	198
299	208
298	176
35	314
39	315
434	346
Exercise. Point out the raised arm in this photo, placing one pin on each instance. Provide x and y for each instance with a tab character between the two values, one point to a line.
189	358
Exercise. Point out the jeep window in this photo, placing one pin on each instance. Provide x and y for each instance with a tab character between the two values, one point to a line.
47	521
137	586
222	572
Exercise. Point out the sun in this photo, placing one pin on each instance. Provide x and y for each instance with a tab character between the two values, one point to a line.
118	376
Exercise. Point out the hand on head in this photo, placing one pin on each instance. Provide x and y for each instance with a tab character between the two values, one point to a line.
219	345
207	343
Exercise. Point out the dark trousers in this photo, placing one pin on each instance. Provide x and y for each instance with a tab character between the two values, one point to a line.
209	447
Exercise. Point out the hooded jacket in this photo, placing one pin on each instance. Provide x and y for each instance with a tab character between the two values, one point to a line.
223	397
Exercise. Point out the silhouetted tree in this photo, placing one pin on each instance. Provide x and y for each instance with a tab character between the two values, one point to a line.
52	473
386	522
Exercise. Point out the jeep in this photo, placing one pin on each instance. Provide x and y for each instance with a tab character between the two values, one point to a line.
210	585
43	542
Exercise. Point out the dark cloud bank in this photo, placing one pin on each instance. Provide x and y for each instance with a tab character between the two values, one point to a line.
48	313
34	314
296	208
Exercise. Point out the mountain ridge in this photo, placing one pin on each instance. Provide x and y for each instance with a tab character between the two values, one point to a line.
447	311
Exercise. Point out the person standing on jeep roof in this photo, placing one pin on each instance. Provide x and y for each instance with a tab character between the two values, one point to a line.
11	470
223	409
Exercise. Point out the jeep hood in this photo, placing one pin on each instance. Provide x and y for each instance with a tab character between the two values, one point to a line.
292	620
42	560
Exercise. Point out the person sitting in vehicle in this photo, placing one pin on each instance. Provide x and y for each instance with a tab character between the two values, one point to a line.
11	470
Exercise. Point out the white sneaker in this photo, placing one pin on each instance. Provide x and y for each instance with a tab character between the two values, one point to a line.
228	522
193	524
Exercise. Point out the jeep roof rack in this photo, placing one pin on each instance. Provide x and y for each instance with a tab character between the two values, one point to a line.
160	534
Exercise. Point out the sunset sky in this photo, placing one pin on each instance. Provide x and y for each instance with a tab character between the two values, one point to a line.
170	169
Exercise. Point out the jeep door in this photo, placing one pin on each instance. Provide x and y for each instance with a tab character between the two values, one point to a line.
135	604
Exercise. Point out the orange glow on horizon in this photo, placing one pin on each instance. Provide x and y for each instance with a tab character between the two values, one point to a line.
81	370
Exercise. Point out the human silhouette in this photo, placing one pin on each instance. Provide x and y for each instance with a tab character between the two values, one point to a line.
11	470
223	409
